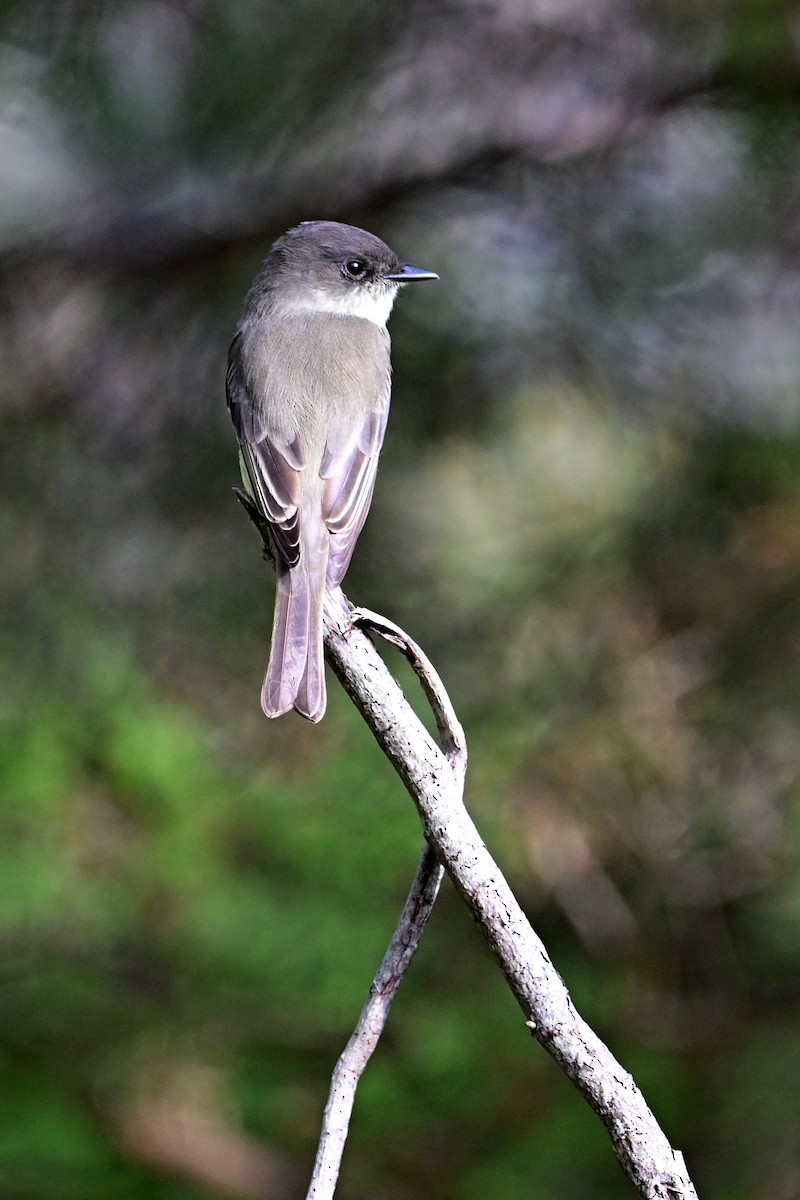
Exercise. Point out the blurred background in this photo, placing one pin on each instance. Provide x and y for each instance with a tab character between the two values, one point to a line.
588	513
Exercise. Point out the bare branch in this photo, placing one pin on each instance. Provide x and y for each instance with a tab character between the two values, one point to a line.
657	1171
358	1050
406	938
454	744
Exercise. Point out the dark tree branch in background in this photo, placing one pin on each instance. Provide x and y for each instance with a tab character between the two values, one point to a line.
656	1170
553	89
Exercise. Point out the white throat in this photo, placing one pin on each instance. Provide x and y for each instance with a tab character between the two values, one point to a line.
369	304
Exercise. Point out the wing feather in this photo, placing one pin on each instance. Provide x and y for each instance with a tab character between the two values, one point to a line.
348	464
272	470
349	474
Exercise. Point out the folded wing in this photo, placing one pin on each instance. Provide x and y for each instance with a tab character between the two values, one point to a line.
271	470
349	471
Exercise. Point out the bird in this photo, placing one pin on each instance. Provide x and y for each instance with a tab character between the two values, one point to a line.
308	387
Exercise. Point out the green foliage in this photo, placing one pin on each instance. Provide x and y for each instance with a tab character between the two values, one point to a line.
588	513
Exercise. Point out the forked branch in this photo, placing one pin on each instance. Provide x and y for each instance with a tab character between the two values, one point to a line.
406	938
657	1170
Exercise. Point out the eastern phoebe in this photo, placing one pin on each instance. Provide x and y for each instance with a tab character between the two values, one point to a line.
308	387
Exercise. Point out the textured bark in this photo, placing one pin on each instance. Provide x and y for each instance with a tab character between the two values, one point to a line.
655	1169
434	778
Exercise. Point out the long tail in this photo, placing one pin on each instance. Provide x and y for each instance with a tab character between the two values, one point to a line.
296	672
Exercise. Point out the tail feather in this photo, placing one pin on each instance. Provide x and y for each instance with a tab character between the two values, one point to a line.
295	675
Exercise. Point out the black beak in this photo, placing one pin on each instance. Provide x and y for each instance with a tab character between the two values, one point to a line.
408	274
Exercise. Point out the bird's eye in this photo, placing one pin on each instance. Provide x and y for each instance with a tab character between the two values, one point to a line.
355	268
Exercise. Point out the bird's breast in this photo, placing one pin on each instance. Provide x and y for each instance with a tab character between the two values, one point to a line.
310	374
